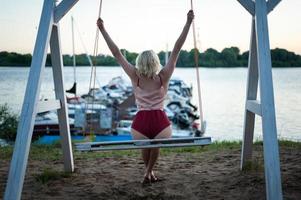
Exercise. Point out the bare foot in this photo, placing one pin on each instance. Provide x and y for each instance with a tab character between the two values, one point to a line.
153	177
147	180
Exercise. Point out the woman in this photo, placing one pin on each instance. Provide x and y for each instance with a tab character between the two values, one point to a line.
150	88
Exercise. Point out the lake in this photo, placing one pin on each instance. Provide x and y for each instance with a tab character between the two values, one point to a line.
223	95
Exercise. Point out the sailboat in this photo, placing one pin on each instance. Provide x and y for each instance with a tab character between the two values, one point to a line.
72	90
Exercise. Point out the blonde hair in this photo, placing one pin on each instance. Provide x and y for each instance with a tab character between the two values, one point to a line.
148	63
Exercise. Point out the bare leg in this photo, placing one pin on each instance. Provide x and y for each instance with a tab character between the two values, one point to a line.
154	153
150	156
145	156
144	152
137	135
165	133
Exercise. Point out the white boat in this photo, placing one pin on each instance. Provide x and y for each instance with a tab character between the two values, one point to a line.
47	123
3	143
124	127
181	132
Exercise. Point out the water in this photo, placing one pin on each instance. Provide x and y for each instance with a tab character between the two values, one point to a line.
50	139
223	95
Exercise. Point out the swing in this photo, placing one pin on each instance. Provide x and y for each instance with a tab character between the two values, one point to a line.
143	144
259	76
148	143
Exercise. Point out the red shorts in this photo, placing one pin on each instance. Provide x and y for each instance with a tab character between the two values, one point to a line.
150	122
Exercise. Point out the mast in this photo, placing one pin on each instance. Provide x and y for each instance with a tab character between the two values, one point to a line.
166	54
73	51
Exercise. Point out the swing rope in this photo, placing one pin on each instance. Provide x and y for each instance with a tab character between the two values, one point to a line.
196	62
93	75
150	143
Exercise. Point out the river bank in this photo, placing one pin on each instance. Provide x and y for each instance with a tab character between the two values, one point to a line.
211	172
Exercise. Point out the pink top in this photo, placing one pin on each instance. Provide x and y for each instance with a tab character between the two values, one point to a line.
151	95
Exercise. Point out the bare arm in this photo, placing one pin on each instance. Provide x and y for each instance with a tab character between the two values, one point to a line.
167	71
128	68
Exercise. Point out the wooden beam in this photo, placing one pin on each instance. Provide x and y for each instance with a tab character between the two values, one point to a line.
129	147
270	142
44	106
146	141
62	9
25	127
57	67
271	4
252	85
144	144
254	107
249	5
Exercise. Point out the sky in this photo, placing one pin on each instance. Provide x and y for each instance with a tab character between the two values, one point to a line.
138	25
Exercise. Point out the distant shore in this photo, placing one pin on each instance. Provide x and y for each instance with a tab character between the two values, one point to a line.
211	58
211	172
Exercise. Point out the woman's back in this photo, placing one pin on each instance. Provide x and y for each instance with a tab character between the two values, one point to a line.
149	92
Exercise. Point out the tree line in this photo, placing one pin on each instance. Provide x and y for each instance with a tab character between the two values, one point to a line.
228	57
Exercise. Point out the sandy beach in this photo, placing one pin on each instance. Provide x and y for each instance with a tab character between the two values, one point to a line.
186	174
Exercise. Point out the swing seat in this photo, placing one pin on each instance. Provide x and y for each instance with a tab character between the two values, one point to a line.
143	144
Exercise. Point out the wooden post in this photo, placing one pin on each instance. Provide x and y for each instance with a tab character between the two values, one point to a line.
30	106
57	67
271	4
252	84
249	5
260	66
62	9
270	142
18	164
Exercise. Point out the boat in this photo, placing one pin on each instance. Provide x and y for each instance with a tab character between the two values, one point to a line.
3	143
111	109
117	96
75	99
124	127
47	124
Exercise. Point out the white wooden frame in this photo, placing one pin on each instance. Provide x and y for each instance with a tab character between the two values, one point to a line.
48	33
259	67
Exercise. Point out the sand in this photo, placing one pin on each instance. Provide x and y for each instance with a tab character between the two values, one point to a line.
212	174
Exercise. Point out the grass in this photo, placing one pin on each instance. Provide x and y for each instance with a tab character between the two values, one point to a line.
53	152
288	143
48	175
255	165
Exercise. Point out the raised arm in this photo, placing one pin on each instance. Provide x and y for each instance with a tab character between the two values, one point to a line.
167	71
128	68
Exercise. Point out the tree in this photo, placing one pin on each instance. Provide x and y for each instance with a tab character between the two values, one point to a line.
130	56
229	56
210	58
183	60
8	123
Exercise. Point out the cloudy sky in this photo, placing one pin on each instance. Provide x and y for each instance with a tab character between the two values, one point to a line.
143	24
